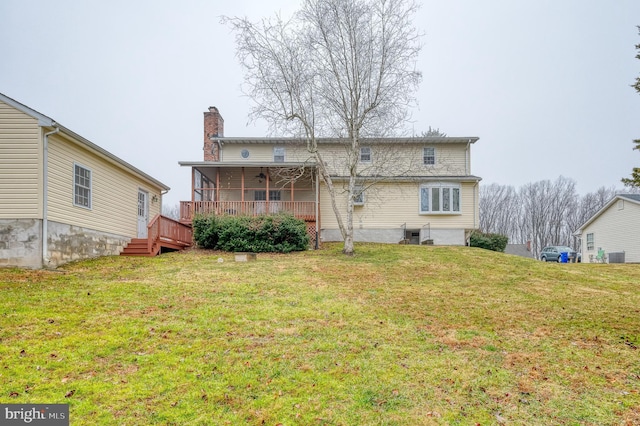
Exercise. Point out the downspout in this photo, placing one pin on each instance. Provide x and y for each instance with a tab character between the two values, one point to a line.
45	194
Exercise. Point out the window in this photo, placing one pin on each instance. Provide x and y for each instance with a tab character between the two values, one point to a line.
440	199
590	245
244	153
278	154
261	195
429	156
82	186
358	195
365	154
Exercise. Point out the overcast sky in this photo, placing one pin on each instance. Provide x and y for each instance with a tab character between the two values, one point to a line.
545	84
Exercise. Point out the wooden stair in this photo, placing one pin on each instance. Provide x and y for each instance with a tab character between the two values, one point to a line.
165	234
138	247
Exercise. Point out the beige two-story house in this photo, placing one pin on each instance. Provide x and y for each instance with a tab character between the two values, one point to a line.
64	198
414	190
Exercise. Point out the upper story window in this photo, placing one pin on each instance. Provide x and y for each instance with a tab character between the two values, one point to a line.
440	198
81	186
365	154
278	154
429	156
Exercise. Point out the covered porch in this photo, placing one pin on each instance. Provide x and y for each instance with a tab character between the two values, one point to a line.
253	189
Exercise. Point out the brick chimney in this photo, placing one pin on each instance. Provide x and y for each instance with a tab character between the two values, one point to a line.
213	126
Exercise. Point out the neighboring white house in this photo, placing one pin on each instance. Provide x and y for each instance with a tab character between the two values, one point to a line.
414	190
62	197
614	230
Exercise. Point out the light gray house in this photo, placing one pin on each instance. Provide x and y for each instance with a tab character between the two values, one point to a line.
613	233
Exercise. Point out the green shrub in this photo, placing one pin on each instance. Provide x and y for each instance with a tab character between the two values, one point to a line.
280	233
495	242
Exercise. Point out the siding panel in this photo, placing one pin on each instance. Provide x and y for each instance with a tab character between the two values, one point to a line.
20	165
615	230
114	191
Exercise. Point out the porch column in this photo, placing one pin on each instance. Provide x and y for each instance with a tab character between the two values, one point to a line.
242	190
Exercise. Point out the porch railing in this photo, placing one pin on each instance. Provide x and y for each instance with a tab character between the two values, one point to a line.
301	209
163	229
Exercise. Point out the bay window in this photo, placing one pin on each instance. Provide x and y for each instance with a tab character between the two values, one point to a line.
440	198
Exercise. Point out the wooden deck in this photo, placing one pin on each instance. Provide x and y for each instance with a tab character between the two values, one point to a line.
305	210
162	233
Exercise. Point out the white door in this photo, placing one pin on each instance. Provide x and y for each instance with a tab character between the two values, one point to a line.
143	213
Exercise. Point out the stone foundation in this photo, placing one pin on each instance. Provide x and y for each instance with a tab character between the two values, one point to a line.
20	243
67	243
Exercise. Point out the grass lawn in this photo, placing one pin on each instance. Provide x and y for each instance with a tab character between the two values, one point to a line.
397	335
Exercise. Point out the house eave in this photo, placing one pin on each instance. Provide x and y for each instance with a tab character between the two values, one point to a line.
363	141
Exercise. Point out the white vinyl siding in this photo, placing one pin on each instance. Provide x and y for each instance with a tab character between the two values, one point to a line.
114	191
407	159
391	204
615	230
20	165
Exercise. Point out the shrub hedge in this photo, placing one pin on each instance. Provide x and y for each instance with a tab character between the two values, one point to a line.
495	242
281	233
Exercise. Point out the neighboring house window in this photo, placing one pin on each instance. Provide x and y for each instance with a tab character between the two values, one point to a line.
358	195
365	154
82	186
590	245
440	199
278	154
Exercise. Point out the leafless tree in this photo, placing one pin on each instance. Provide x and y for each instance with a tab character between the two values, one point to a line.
499	210
171	211
543	213
338	68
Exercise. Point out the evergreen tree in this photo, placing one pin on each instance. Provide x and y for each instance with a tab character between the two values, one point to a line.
634	180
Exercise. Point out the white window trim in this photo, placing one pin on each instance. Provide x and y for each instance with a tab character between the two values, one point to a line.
361	199
90	206
370	153
284	154
440	186
435	158
592	246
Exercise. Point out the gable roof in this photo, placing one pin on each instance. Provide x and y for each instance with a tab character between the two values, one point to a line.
634	198
48	122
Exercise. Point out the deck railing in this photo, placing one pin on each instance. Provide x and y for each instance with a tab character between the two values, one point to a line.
167	230
301	209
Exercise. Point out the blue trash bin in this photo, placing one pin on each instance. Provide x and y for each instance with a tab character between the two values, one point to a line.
564	257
